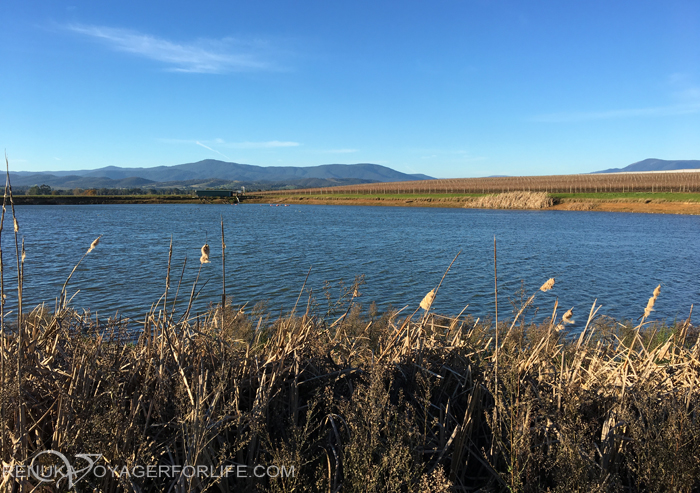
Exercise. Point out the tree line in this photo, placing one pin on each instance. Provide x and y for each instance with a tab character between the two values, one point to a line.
47	190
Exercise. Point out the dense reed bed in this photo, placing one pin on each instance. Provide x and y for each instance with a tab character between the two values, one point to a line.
365	403
350	400
512	200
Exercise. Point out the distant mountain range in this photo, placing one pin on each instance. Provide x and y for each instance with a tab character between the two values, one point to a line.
212	173
655	165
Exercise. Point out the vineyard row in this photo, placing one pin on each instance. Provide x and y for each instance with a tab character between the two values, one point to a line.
613	182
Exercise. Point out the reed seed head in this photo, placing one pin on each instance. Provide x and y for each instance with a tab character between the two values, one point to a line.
205	254
567	317
94	244
428	300
16	224
548	285
650	304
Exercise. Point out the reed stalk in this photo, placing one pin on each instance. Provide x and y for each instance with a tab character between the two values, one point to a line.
3	342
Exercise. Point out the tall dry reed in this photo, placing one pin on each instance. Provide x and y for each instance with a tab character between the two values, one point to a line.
375	401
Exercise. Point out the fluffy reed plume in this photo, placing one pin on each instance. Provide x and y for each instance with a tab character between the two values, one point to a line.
94	244
205	254
548	285
566	319
428	300
513	200
652	301
16	224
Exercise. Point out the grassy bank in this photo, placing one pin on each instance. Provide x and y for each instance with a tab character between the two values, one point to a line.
647	202
625	196
356	401
630	196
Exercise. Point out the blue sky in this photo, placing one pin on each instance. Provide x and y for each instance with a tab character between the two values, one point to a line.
446	88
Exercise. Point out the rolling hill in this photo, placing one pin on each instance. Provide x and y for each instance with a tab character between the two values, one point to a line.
655	165
211	169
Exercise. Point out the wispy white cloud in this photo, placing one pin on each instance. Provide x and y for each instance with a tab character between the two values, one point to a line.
200	56
213	150
261	145
658	111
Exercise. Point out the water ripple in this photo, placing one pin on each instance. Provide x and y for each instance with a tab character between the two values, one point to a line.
617	259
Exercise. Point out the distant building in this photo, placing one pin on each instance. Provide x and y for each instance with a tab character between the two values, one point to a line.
214	193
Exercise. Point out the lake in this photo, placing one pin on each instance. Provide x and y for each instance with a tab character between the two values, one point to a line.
402	253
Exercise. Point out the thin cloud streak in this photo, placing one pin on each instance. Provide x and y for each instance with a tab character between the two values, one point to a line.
260	145
202	56
213	150
659	111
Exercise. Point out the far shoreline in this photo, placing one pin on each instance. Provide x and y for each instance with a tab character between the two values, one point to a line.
645	204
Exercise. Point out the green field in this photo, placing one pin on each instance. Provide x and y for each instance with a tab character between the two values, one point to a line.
633	196
616	196
365	196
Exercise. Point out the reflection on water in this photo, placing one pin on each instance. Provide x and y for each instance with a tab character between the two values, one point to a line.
615	258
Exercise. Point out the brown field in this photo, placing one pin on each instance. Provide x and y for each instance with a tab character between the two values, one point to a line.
609	182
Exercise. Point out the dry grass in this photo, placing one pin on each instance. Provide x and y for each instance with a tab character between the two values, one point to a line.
364	404
512	200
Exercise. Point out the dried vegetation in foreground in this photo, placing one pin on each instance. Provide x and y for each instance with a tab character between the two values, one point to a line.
392	403
357	402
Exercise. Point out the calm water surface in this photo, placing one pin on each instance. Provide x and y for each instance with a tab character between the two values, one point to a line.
615	258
